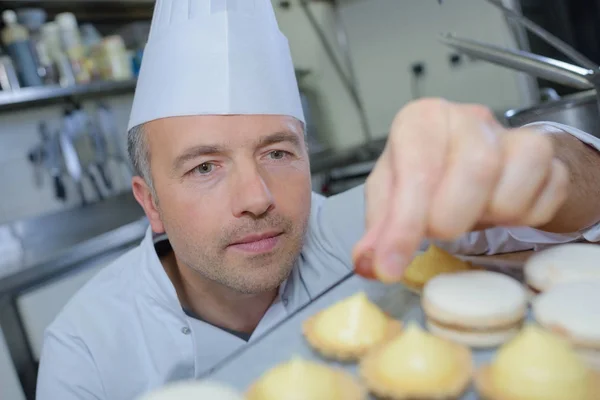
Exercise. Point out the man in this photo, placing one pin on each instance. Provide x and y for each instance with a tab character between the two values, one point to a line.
217	138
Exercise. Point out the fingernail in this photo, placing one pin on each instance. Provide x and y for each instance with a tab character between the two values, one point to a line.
364	265
390	269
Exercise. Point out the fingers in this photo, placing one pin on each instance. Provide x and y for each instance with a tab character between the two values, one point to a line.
533	185
527	166
446	170
417	157
474	166
377	198
552	197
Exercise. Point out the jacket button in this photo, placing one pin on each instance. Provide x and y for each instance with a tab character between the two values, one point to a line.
185	330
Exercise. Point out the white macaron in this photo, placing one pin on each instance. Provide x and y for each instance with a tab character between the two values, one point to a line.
193	390
475	308
572	310
573	262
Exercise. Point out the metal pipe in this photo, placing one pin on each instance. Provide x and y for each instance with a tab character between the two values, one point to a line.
543	67
546	36
344	43
529	88
348	84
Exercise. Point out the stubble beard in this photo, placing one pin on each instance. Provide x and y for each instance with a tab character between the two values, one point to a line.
250	274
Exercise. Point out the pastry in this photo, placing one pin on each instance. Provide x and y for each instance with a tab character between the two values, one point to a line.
537	365
192	390
349	328
573	262
475	308
417	365
300	379
572	310
434	261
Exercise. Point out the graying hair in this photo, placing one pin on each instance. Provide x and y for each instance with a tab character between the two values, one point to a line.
139	154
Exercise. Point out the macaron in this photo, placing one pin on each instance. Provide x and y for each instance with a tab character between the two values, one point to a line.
192	390
480	309
573	262
572	310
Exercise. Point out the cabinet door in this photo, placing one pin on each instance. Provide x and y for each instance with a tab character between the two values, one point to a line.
40	306
10	386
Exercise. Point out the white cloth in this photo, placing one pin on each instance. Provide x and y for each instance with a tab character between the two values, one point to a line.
125	332
215	57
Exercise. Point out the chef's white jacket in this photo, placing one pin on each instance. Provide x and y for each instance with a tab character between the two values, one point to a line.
125	332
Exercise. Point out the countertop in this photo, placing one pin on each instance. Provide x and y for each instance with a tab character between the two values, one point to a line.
55	243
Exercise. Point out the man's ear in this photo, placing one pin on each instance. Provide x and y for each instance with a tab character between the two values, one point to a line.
144	197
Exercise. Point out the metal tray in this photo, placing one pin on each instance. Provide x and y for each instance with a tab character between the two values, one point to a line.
286	340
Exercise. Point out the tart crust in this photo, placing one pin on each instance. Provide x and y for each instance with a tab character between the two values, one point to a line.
483	383
386	389
343	352
349	329
349	387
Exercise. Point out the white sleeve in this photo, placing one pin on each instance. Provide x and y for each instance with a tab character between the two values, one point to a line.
67	370
503	240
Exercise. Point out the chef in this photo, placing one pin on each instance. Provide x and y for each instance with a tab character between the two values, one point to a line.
237	240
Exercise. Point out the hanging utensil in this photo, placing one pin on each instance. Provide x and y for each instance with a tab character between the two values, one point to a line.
54	165
101	154
71	158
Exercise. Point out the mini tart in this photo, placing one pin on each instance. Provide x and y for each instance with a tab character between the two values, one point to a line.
347	330
433	262
537	365
418	365
307	380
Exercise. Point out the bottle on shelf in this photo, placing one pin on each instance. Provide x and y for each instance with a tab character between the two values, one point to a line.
52	40
9	81
18	45
73	45
33	19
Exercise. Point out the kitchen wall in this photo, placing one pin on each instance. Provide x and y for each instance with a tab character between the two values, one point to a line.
386	38
19	196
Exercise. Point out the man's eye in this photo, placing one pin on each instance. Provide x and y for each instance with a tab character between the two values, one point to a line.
277	154
205	168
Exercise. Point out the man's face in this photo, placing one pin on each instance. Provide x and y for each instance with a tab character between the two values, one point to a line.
233	195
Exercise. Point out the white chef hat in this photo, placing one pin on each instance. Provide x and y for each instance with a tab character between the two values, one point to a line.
215	57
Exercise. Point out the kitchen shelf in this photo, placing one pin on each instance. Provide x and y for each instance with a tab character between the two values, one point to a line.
26	98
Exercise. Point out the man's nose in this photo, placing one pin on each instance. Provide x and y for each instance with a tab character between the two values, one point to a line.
251	195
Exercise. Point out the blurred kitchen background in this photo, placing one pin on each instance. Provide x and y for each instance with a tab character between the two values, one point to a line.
67	75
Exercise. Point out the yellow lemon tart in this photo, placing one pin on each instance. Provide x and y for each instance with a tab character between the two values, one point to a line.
537	365
349	328
300	379
417	364
430	264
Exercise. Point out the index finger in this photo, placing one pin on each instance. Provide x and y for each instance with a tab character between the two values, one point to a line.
418	146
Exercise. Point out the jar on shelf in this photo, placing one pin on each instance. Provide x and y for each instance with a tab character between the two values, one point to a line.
114	59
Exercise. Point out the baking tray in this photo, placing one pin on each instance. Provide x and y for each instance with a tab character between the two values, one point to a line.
286	340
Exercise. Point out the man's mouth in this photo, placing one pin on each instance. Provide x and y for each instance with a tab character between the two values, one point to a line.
257	243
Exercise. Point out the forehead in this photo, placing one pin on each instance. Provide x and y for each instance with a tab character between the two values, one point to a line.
178	133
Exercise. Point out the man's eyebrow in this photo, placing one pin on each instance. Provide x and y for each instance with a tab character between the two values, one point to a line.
278	138
202	150
195	152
